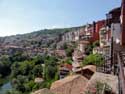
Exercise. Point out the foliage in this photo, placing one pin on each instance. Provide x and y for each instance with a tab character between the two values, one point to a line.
69	52
65	46
18	56
50	68
30	86
23	68
69	48
1	81
27	67
23	73
13	92
94	59
68	61
50	72
96	44
5	66
38	60
37	70
88	49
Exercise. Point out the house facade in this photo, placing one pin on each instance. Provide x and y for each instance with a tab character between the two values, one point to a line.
123	23
96	28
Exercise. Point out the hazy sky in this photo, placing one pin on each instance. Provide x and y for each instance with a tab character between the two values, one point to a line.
22	16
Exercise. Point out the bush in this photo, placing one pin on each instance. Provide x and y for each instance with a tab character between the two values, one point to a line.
68	61
13	92
96	44
94	59
23	73
37	71
88	49
29	86
69	52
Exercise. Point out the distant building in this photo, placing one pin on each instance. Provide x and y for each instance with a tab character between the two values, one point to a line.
82	45
116	32
97	50
71	36
123	22
60	53
105	51
77	57
104	37
113	23
87	71
64	70
76	66
88	33
96	28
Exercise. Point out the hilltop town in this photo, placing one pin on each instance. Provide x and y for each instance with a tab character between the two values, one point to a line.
87	59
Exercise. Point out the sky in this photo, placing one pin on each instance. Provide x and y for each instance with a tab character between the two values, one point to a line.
24	16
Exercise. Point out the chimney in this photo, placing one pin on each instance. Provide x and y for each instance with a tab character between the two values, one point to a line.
123	22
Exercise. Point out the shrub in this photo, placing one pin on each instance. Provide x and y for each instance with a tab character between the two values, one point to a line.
94	59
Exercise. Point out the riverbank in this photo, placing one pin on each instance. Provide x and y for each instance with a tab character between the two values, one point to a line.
5	85
4	80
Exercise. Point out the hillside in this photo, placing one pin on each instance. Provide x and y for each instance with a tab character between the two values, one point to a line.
41	38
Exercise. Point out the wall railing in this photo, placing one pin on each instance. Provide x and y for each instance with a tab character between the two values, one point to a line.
121	75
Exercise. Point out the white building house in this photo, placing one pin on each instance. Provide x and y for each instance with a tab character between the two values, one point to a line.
116	32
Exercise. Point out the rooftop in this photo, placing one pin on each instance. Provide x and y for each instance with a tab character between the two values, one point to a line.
70	85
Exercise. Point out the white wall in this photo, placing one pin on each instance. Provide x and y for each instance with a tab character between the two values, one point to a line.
116	32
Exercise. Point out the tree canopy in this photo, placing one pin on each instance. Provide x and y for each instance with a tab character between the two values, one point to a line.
94	59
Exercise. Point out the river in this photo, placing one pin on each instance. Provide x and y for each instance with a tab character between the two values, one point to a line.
7	86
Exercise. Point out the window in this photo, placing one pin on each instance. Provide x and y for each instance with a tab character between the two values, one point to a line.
109	16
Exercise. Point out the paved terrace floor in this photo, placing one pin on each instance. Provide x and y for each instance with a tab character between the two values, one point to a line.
119	61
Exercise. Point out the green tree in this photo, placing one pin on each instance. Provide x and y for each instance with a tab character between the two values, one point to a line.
50	69
15	69
88	49
23	73
38	60
13	92
94	59
5	66
68	61
69	52
18	56
65	46
37	71
29	86
96	44
50	72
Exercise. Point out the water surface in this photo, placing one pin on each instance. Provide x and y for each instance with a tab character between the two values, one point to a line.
7	86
